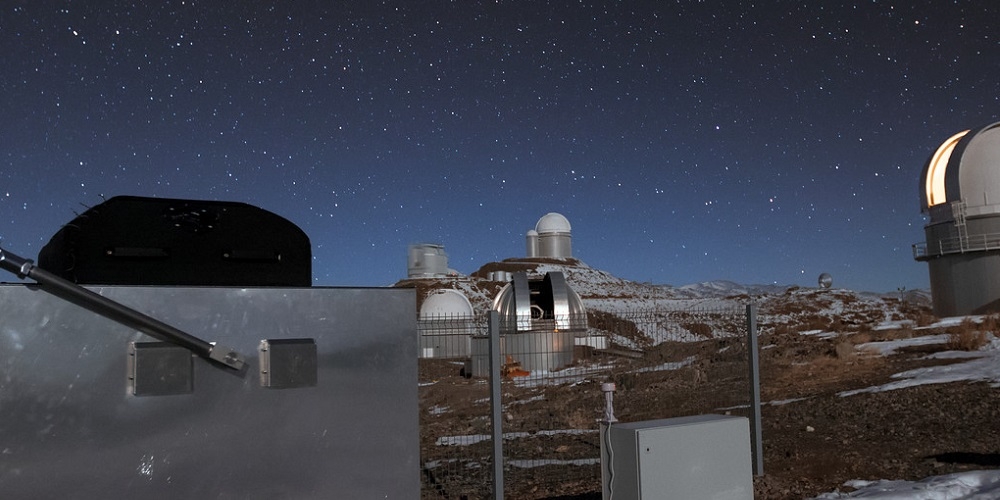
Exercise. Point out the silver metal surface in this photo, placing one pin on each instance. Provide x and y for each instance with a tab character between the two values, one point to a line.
111	309
287	363
72	427
540	342
700	456
159	369
567	308
521	294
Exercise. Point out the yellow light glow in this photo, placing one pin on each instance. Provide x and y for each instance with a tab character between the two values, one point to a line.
935	172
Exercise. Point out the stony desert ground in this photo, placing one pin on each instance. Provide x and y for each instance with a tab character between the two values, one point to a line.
822	353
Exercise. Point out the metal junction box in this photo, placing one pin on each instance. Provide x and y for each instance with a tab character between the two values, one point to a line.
326	407
686	458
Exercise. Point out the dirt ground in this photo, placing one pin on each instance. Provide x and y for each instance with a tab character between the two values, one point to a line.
813	442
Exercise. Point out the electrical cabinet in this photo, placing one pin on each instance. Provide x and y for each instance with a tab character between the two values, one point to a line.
686	458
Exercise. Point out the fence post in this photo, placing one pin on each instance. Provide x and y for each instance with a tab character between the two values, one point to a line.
496	405
756	440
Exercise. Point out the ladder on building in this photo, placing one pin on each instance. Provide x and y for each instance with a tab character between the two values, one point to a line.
958	213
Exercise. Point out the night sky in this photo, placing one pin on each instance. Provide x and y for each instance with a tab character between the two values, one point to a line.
684	141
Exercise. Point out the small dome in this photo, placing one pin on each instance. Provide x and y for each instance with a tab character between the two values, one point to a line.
450	303
825	280
552	222
964	168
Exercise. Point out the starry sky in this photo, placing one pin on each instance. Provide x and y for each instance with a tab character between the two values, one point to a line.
685	141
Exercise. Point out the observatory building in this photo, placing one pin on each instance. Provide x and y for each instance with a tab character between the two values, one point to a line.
428	260
446	324
541	322
960	192
550	238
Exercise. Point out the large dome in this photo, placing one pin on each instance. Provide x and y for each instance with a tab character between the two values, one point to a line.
960	191
446	303
966	168
552	222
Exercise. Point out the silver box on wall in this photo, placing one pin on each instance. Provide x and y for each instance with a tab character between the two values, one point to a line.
327	408
701	456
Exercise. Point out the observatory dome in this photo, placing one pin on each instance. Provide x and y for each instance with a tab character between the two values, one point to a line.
541	321
446	303
965	168
960	191
527	303
550	238
446	324
552	222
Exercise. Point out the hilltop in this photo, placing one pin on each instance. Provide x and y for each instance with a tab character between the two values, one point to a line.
856	385
602	291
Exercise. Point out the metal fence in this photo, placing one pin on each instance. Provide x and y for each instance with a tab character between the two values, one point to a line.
665	362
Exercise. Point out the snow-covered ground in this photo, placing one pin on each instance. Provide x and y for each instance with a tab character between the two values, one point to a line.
981	365
974	485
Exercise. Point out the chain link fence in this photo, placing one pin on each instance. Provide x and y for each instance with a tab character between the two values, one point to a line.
665	362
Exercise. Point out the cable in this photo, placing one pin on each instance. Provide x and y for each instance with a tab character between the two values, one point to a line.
609	419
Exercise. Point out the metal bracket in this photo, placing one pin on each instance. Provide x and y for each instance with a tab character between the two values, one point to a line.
159	369
288	363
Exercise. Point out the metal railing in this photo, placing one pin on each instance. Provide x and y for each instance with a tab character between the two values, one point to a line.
957	244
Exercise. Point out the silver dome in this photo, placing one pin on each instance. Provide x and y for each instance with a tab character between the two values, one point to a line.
542	304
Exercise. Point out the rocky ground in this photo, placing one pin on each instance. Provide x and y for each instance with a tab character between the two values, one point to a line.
815	344
822	439
814	441
816	444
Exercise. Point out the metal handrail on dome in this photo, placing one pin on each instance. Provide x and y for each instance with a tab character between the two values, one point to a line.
957	244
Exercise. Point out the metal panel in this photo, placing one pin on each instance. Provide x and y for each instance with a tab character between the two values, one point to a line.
159	369
522	301
701	456
71	427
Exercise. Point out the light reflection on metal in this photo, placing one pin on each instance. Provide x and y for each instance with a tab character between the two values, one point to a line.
935	181
530	304
513	303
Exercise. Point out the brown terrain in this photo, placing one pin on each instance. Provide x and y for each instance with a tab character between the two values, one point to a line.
815	444
814	439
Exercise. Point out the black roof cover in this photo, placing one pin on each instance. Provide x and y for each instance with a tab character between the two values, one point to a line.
131	240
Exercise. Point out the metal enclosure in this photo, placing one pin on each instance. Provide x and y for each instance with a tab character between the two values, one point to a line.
91	409
701	456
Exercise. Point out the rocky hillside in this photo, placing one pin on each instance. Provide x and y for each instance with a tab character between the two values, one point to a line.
785	307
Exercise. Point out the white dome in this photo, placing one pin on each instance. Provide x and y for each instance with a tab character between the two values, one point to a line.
450	303
552	222
966	167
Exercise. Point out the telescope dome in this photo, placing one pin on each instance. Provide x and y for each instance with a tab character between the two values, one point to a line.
960	192
552	222
964	168
446	303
